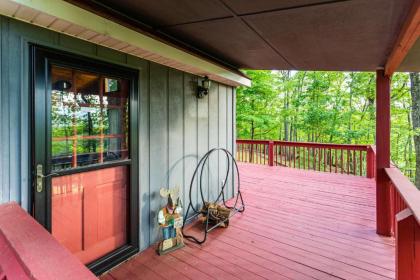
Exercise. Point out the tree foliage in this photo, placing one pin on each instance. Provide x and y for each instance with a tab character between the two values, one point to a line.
326	107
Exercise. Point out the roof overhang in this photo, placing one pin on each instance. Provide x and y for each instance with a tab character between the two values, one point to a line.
72	20
329	35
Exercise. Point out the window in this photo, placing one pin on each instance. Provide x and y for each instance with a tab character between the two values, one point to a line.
89	118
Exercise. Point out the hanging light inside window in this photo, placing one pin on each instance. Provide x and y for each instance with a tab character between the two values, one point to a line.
203	89
62	85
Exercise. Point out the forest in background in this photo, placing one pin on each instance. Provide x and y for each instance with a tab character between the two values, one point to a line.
328	107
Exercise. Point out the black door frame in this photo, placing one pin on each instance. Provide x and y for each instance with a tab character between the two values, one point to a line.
41	60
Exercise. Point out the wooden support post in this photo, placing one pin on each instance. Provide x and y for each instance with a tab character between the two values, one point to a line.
407	247
383	129
270	153
370	163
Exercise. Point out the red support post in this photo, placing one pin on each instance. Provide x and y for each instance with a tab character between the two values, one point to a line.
270	153
383	127
407	249
370	163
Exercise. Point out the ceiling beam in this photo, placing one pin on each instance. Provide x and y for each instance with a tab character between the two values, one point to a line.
262	12
409	34
252	29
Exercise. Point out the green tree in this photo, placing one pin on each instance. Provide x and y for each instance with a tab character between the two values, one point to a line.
329	107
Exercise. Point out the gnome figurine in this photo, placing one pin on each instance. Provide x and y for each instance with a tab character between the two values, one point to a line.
170	220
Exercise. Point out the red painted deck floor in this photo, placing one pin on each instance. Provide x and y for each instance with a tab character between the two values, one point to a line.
297	225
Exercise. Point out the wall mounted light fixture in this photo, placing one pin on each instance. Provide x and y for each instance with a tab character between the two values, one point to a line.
203	89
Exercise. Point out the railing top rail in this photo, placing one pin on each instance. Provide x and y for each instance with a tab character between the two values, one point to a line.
309	144
409	193
248	141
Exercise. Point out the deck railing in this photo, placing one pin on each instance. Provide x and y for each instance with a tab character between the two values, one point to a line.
405	224
337	158
403	200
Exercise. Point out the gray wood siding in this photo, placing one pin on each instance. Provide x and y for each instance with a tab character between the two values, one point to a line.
175	128
213	98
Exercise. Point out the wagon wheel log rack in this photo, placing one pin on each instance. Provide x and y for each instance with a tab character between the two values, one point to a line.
216	213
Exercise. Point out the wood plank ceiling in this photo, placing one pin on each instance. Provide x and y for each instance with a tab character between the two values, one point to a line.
339	35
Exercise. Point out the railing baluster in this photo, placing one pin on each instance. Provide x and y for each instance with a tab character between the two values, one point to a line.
265	147
319	159
298	155
245	150
251	153
348	162
335	161
285	155
252	159
335	158
259	154
302	156
262	154
281	155
309	158
330	157
354	162
256	153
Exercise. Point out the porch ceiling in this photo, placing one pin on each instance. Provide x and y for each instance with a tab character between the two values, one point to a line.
339	35
65	18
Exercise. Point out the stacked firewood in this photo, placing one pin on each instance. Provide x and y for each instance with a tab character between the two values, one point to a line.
217	214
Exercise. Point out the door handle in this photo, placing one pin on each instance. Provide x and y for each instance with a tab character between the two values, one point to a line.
40	177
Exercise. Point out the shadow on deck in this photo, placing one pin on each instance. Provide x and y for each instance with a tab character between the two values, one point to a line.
297	225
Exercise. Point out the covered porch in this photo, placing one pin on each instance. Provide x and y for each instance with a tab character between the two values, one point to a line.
298	224
356	219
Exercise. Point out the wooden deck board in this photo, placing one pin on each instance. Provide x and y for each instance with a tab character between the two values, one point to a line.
297	225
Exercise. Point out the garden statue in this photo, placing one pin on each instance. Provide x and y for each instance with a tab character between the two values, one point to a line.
170	220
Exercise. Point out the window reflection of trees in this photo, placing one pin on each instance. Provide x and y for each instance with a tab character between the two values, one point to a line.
87	124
